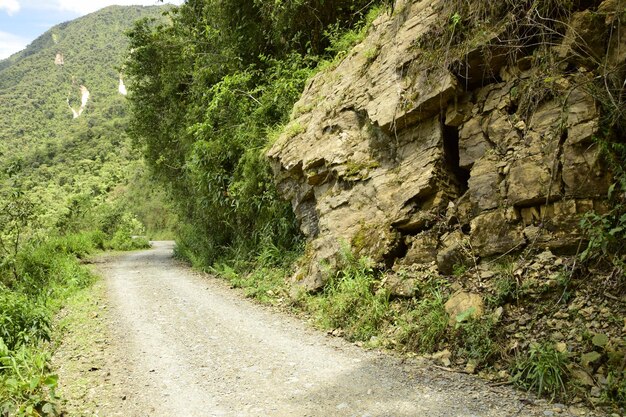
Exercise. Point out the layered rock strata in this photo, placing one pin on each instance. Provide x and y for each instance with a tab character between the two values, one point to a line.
412	162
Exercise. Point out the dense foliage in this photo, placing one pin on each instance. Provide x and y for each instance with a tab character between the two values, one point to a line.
208	90
68	186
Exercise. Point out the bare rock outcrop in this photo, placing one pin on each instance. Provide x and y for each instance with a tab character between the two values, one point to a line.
411	162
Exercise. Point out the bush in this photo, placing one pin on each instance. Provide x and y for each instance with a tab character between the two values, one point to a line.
127	234
43	265
22	320
47	271
26	386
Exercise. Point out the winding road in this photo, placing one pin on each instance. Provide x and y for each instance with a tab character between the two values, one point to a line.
181	343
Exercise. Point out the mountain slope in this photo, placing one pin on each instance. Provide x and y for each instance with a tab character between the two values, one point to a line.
34	89
62	116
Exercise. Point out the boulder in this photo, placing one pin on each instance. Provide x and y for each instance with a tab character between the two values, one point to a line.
495	233
422	249
400	285
584	171
530	182
454	250
464	305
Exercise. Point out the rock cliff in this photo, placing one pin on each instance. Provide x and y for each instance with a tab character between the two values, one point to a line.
418	149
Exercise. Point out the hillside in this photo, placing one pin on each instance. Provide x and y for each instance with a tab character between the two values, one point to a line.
474	154
63	119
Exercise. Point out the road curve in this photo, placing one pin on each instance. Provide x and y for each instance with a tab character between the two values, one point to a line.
185	344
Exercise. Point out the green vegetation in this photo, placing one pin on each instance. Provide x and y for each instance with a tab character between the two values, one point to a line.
47	272
210	88
544	369
606	232
477	340
79	169
263	277
212	84
43	274
507	288
423	328
68	187
38	270
352	299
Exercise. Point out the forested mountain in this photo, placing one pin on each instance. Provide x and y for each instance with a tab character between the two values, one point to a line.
63	115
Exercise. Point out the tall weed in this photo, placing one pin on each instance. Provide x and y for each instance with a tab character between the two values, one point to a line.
352	299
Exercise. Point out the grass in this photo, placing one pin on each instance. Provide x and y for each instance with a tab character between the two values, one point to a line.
615	390
506	288
266	284
352	299
342	41
544	370
355	302
424	328
476	340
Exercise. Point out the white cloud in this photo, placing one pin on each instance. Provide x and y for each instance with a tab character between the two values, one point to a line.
83	7
11	6
10	44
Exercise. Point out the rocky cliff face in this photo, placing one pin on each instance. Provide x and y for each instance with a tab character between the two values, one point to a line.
414	157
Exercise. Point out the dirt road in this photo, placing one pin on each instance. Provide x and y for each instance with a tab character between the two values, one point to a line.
171	342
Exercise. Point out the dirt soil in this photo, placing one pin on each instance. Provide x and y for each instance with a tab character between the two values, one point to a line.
154	338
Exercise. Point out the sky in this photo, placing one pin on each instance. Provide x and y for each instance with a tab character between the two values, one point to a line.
22	21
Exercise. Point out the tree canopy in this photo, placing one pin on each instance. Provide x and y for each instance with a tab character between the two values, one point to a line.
208	89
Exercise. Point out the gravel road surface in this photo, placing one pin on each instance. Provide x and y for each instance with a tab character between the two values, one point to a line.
173	342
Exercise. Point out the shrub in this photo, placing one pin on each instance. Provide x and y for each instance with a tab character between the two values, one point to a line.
48	270
26	386
126	236
43	266
22	320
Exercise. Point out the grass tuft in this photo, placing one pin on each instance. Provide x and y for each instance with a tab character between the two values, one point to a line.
543	370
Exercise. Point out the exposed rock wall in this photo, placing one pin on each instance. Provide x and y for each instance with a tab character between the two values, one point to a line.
412	162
